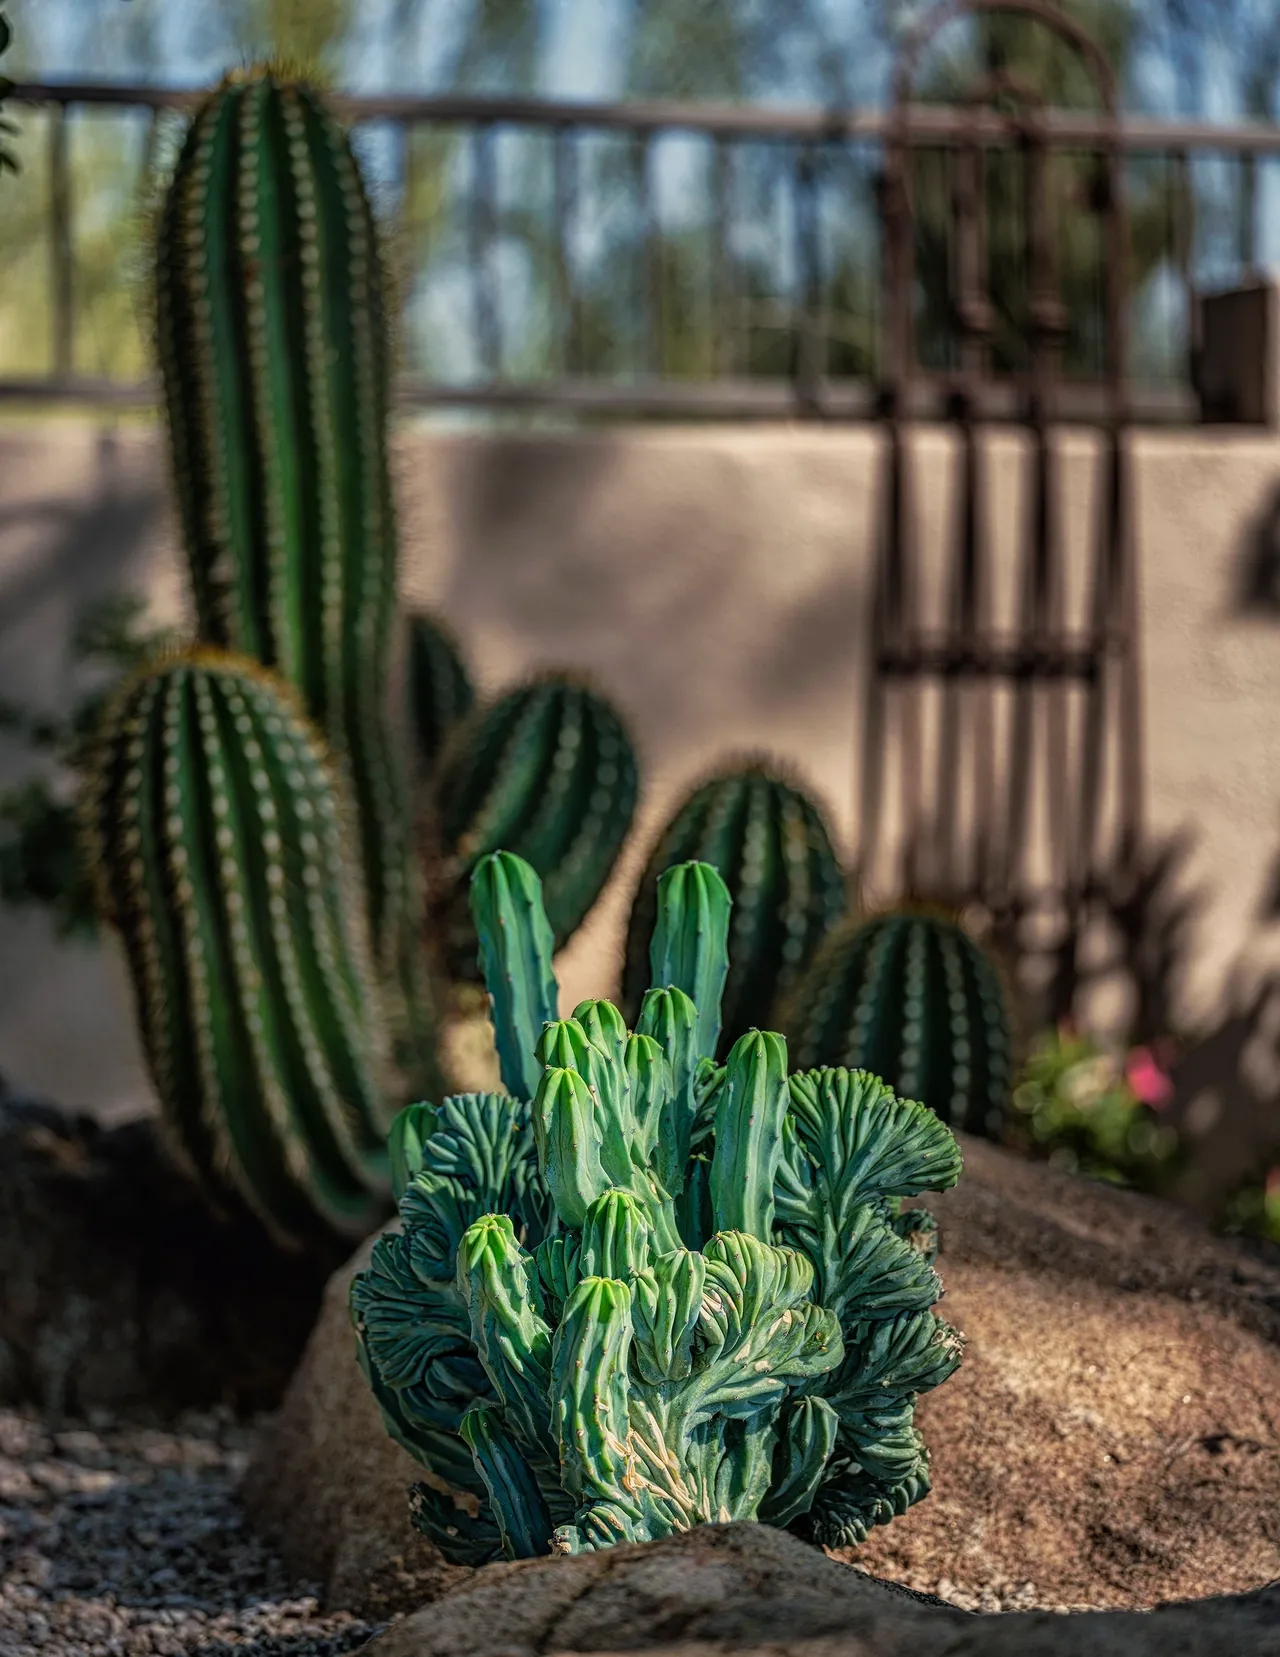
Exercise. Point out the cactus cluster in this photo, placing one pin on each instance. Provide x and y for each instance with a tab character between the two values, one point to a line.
769	842
911	996
549	772
271	331
641	1291
222	862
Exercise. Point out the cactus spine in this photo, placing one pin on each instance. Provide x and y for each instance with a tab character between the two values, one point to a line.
271	330
440	690
217	831
770	843
547	772
913	998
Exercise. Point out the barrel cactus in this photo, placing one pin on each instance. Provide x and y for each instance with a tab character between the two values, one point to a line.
914	998
441	693
217	833
271	331
640	1291
548	771
770	843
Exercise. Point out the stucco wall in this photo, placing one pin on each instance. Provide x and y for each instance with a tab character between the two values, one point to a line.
715	580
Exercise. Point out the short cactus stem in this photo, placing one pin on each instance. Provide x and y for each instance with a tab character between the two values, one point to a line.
217	831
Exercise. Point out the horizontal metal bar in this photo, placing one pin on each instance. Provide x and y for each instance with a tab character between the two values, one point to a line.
921	123
987	658
761	399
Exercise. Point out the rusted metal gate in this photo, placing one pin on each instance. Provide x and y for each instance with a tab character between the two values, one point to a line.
1003	765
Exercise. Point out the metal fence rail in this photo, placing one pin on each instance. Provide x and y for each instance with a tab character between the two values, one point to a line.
807	144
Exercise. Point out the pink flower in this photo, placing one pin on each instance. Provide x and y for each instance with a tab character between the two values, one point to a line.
1272	1189
1150	1084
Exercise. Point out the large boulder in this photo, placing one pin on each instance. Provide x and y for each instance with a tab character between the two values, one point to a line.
1110	1440
755	1592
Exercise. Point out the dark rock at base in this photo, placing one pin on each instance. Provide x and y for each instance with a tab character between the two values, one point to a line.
119	1288
750	1591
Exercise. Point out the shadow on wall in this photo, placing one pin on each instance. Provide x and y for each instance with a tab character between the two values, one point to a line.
1258	590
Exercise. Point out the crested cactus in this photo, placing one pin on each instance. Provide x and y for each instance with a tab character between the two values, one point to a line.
440	690
912	997
217	834
641	1291
769	842
548	771
272	338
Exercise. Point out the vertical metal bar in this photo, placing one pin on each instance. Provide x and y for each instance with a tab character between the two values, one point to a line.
566	181
1184	206
1247	222
723	336
650	272
60	246
482	236
806	344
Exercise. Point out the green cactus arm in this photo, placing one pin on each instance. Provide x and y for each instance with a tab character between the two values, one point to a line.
749	1118
463	1536
669	1017
666	1303
865	1144
414	1345
616	1237
689	948
559	1262
515	955
590	1390
440	691
846	1508
800	1460
498	1283
411	1128
865	1270
567	1114
515	1497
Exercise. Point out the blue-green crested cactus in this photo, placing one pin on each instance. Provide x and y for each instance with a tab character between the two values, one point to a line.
547	771
770	843
272	338
642	1291
440	691
912	997
216	829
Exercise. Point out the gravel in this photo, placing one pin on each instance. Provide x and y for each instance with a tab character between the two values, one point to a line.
119	1540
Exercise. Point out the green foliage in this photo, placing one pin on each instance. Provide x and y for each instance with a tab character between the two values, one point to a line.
644	1291
441	693
1254	1211
1076	1104
547	770
42	860
914	999
218	830
769	841
272	334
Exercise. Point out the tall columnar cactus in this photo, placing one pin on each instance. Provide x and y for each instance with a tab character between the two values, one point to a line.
914	998
217	831
640	1291
548	771
770	843
441	693
272	336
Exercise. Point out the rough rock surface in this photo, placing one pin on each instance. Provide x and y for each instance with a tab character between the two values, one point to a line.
1112	1438
755	1592
119	1289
